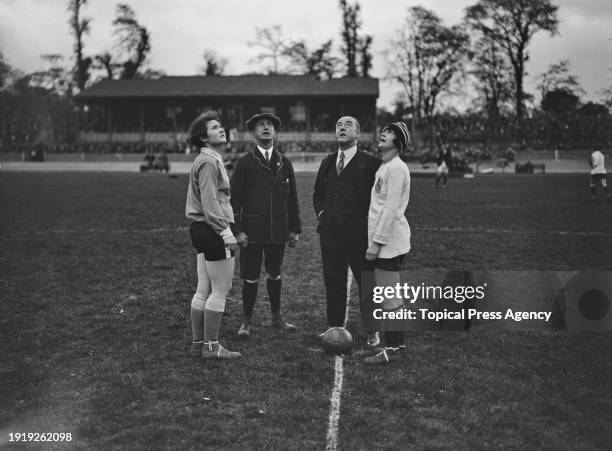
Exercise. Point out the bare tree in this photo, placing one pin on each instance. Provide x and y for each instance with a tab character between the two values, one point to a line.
365	55
6	73
424	57
512	24
79	27
132	46
353	45
298	54
213	63
152	74
320	62
492	72
350	27
558	76
273	47
54	78
133	38
104	61
606	97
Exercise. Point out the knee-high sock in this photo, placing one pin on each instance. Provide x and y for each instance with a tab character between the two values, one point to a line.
274	293
387	279
199	300
220	273
212	325
198	304
249	294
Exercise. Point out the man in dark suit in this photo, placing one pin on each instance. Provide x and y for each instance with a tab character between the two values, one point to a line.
266	217
341	201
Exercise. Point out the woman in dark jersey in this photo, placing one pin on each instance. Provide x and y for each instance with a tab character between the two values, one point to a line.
208	206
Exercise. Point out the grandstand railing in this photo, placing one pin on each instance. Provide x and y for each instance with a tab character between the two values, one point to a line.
77	157
235	136
12	156
113	157
582	155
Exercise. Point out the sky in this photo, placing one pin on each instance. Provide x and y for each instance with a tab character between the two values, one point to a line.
182	29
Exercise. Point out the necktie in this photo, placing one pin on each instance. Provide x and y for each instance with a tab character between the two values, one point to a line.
340	166
267	156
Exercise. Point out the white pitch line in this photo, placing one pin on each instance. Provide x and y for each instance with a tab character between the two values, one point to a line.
334	410
510	231
420	229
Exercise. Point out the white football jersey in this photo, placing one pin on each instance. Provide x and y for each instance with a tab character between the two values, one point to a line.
598	165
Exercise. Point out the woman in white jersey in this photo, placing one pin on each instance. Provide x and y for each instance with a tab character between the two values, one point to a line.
208	206
388	229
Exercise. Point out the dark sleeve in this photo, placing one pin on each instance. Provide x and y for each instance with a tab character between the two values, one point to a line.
373	166
318	197
372	175
293	204
237	191
377	163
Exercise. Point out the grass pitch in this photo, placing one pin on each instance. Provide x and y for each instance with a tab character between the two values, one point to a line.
97	277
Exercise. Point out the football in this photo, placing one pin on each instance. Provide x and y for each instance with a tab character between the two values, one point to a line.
337	340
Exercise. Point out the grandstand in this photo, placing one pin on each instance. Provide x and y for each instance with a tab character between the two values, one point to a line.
160	110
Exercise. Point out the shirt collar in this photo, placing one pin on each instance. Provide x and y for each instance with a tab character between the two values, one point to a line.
348	153
212	153
263	151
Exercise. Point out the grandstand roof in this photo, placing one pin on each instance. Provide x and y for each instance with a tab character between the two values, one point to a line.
233	85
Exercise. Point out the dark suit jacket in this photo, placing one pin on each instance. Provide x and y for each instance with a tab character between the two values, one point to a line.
366	167
264	199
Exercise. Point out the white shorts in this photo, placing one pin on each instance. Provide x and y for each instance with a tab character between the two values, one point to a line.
442	168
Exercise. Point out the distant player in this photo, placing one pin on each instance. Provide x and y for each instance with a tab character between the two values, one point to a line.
443	160
598	173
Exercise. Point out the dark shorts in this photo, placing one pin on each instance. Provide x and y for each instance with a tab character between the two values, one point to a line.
595	177
208	242
252	255
390	264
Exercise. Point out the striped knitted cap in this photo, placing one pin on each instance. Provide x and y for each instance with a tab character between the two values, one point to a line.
401	133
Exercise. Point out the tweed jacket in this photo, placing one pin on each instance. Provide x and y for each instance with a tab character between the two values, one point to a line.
264	198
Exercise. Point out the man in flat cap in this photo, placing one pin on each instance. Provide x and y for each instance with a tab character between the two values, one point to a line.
266	217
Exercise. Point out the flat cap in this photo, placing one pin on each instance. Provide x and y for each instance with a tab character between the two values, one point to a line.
256	117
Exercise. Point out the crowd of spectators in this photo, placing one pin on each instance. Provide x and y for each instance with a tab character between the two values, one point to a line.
168	147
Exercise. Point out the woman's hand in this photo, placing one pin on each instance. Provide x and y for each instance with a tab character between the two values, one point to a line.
242	239
372	251
231	243
293	239
232	246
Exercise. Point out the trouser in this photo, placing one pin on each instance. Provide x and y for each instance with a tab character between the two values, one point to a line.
343	247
